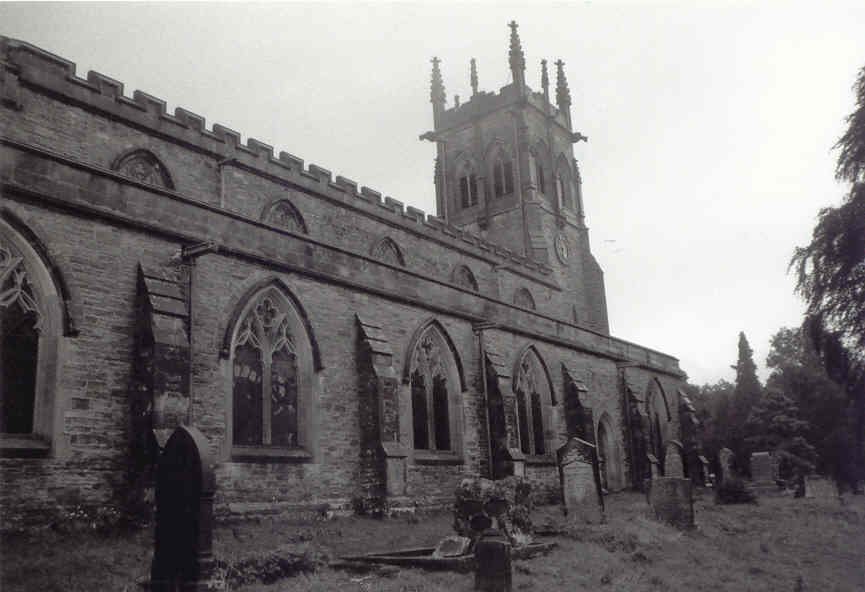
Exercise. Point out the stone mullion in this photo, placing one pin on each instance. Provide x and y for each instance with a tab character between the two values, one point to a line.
266	359
430	407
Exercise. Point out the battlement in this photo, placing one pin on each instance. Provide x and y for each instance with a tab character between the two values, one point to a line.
485	102
25	65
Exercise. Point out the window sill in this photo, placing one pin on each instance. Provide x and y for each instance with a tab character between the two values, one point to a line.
433	457
23	446
266	454
541	460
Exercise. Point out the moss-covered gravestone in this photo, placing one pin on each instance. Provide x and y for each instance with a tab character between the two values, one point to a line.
182	556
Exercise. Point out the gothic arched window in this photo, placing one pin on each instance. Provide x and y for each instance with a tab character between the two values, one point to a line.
563	185
386	250
271	369
522	297
468	184
144	167
659	416
30	325
283	214
503	174
534	398
536	167
435	388
464	277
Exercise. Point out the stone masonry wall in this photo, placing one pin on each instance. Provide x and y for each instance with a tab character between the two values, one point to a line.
57	146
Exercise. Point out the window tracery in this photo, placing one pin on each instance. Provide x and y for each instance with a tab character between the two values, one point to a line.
532	393
20	327
431	388
465	278
144	167
386	250
285	215
265	376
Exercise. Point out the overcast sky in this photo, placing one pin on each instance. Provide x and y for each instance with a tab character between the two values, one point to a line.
710	125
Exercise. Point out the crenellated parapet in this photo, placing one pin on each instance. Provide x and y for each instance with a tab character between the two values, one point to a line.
25	65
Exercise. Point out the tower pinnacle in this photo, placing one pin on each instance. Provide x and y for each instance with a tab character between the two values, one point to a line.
437	90
563	94
473	77
517	59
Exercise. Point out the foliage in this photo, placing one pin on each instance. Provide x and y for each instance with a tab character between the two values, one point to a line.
774	422
830	274
797	371
733	490
747	394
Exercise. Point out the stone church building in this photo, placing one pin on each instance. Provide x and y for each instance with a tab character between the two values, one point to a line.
333	345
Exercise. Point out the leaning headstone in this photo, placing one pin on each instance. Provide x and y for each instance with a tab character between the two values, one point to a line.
493	562
725	459
185	485
580	481
673	466
672	501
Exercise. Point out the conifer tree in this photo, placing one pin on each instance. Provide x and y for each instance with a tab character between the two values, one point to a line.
746	395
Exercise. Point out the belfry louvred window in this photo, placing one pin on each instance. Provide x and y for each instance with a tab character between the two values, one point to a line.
265	376
503	175
468	184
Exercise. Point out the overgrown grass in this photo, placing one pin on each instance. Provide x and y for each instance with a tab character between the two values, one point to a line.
734	548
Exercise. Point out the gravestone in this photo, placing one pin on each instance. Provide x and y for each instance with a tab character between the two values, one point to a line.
493	562
673	466
185	485
671	499
655	464
725	460
580	480
705	473
763	473
818	487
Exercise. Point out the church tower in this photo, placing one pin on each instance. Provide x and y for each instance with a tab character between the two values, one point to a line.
505	170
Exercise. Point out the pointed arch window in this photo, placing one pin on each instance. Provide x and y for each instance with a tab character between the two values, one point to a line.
503	175
30	327
144	167
464	277
523	298
537	169
534	399
387	250
468	186
272	377
562	192
435	388
284	214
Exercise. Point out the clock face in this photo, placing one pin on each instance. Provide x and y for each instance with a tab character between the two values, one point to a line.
562	248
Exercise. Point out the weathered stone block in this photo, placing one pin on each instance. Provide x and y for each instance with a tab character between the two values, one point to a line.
672	501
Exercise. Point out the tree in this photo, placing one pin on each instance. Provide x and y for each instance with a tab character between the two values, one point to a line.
747	394
775	425
797	372
830	275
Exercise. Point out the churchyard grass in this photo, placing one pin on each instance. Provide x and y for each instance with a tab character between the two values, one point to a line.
768	546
